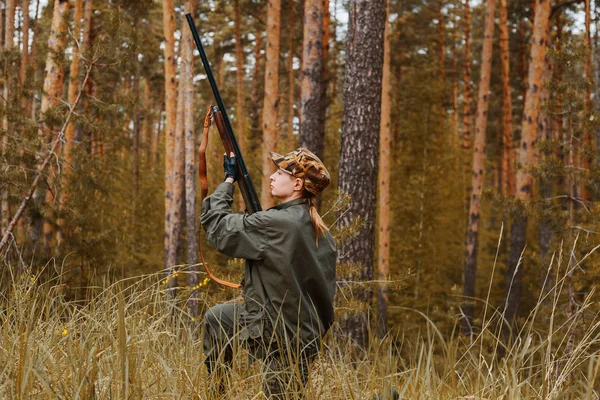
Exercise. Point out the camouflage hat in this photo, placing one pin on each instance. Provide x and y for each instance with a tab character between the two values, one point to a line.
303	164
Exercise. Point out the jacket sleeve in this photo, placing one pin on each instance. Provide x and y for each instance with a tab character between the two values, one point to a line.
235	235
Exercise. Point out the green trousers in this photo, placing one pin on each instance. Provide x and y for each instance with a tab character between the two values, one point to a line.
285	372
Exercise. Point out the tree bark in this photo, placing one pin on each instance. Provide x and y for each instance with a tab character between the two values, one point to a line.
524	180
53	90
546	186
311	134
467	116
291	85
69	142
588	139
325	74
190	152
597	82
358	164
477	171
8	40
239	76
455	78
170	133
25	43
255	114
271	99
179	167
383	251
72	89
440	40
508	180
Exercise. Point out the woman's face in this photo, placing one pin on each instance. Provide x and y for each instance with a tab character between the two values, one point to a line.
284	186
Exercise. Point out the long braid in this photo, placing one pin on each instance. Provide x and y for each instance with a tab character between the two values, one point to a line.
318	224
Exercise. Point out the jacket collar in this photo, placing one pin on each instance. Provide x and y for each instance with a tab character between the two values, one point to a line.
290	203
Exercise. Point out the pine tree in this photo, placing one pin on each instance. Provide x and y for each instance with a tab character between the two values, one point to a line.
359	150
311	133
524	179
170	133
383	250
53	89
271	99
477	171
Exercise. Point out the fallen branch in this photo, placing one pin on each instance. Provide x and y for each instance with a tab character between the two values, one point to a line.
40	171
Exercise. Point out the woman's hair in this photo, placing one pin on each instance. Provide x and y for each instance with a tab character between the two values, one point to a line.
317	221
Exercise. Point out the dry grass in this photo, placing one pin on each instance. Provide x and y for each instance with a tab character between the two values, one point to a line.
127	341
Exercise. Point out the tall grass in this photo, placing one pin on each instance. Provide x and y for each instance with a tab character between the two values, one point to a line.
127	341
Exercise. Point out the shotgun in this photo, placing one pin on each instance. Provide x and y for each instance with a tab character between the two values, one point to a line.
226	131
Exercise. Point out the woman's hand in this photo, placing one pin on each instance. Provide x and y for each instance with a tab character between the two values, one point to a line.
230	167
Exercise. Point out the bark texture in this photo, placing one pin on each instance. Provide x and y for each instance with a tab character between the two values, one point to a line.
524	180
170	116
383	251
507	172
8	40
239	77
440	40
588	139
190	159
25	42
53	90
358	164
546	132
597	84
271	99
291	86
311	133
73	86
477	171
467	112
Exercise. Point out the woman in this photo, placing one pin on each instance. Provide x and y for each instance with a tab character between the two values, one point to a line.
289	280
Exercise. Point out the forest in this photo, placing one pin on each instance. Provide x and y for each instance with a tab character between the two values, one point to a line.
462	138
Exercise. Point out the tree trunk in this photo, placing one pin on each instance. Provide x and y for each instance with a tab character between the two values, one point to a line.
291	86
179	168
467	116
239	75
546	133
25	42
170	134
325	74
455	78
135	148
147	122
311	134
190	151
67	146
383	251
358	164
53	89
524	181
588	141
8	40
72	90
255	114
440	40
477	171
597	82
523	61
271	100
508	181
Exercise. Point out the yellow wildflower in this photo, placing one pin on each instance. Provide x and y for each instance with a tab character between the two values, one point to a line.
64	332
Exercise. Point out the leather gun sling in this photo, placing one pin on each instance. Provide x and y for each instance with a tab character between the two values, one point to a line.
204	189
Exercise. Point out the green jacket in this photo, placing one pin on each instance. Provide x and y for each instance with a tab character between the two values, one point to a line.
287	276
